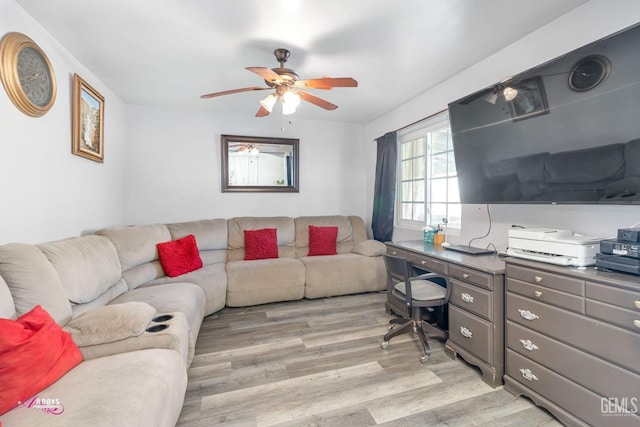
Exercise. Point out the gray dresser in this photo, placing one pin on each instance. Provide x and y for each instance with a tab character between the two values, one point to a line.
476	307
573	342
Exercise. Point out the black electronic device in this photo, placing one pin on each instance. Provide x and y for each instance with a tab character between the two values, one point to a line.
469	249
618	263
617	247
629	235
545	135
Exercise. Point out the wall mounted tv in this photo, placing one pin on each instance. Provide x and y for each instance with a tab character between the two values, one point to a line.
567	131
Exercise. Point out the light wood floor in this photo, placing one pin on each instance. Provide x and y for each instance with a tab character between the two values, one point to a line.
319	363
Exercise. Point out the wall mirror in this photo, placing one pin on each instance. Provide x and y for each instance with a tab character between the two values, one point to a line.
258	164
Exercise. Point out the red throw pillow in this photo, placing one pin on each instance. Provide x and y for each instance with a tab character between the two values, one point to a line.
179	256
322	240
261	244
34	353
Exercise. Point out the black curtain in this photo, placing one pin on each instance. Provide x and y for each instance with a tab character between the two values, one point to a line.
385	188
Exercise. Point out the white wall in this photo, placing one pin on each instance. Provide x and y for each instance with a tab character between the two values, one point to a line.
173	167
46	193
588	23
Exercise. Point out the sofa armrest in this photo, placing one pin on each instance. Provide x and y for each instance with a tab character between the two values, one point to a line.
110	323
369	248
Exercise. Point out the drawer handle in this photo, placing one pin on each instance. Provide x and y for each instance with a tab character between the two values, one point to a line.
394	253
636	323
537	279
637	303
465	275
526	314
423	262
528	345
528	375
466	297
538	294
465	332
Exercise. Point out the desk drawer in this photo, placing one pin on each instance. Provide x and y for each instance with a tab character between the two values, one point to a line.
427	263
599	376
549	280
472	298
476	277
396	252
546	295
614	344
472	333
575	399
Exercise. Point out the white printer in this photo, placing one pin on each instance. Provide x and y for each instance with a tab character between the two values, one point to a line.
562	247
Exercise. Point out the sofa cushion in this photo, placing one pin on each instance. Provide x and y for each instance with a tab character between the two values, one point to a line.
110	323
370	248
34	353
7	309
263	281
140	388
590	165
211	237
87	266
260	244
33	280
343	274
322	240
179	256
345	239
285	234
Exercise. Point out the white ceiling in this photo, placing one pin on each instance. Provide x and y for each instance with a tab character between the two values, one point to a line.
169	52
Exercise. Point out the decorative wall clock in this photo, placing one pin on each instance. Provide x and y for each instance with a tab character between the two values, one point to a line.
27	74
588	73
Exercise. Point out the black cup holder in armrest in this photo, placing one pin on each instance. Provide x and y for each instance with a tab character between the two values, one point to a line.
157	328
163	318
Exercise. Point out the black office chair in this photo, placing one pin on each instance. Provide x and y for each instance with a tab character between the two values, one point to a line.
420	301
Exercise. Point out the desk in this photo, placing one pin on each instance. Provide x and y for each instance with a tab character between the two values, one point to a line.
476	306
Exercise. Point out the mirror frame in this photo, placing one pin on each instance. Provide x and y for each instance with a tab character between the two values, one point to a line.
225	140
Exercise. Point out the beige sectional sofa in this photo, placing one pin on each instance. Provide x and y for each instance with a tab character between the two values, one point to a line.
137	328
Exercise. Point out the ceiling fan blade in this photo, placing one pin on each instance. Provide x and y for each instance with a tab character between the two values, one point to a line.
317	101
262	112
229	92
327	83
266	73
471	98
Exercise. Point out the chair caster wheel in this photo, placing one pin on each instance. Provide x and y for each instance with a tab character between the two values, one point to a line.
424	359
384	345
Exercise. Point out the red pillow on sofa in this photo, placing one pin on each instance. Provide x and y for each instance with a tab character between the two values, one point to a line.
34	353
322	240
179	256
261	244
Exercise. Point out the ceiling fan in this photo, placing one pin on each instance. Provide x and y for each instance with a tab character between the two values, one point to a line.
287	86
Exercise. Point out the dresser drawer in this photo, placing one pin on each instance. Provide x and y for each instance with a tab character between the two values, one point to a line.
472	298
427	263
609	294
628	319
549	296
573	398
471	332
470	275
548	280
611	343
599	376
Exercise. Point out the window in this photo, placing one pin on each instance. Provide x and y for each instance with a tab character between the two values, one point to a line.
427	180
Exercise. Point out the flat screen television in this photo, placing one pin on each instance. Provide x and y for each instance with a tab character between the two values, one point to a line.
567	131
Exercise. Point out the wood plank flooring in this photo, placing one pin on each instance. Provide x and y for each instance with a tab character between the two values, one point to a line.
319	363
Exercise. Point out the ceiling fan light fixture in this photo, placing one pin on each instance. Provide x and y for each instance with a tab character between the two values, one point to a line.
510	93
269	101
290	102
492	97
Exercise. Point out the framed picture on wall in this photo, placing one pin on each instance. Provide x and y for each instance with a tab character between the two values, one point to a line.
88	121
530	101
